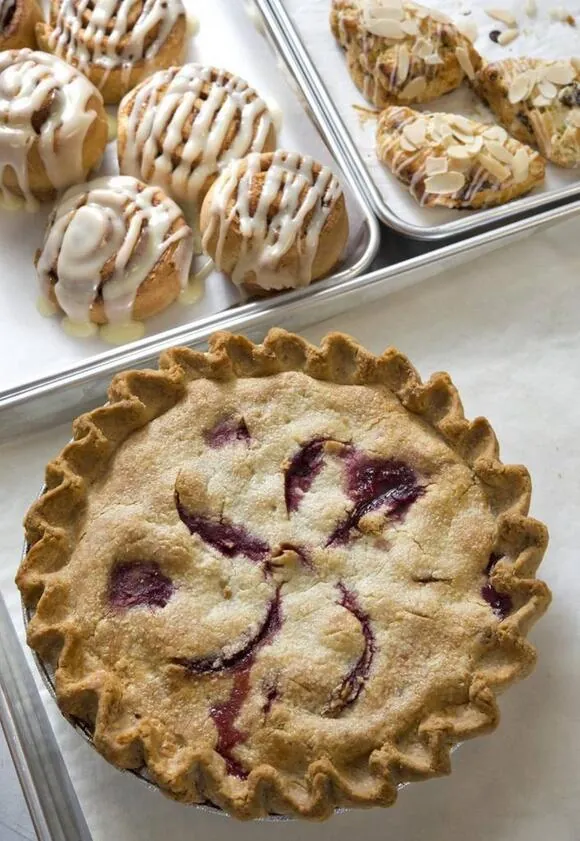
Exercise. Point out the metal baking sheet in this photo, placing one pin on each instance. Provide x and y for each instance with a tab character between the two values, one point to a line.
401	262
35	350
300	30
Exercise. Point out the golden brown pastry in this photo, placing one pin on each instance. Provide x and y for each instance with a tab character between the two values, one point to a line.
180	126
537	101
53	127
115	44
274	221
115	250
450	161
401	52
18	19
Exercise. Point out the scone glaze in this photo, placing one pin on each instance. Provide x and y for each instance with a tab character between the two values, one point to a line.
115	249
538	102
404	54
450	161
275	221
53	127
114	43
283	578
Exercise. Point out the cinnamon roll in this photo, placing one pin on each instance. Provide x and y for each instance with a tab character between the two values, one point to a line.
274	221
18	19
53	127
115	250
116	43
178	128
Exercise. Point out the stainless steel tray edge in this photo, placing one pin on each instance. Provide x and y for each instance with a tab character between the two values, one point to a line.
46	785
58	399
282	32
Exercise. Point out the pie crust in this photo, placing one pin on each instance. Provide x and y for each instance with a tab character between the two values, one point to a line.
283	578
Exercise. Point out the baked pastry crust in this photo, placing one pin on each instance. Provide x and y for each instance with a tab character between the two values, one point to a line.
275	221
116	47
114	250
418	56
163	143
538	102
451	161
18	19
54	127
423	595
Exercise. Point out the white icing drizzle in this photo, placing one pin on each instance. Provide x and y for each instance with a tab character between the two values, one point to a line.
120	334
158	128
196	284
45	307
104	33
305	201
32	84
115	222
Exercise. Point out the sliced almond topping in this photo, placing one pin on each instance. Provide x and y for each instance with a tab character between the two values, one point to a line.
519	89
508	36
499	152
541	101
465	62
502	15
459	153
476	145
547	89
468	28
403	63
435	166
416	132
462	123
531	8
410	27
386	28
560	74
422	48
520	166
496	133
500	171
414	89
444	183
406	145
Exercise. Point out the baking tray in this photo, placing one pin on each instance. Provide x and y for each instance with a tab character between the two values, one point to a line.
34	349
301	33
401	262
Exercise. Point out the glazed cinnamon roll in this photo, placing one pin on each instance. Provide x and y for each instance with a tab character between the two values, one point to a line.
116	43
18	19
114	250
182	125
275	221
53	127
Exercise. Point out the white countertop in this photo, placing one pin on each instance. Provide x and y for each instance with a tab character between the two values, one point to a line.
507	329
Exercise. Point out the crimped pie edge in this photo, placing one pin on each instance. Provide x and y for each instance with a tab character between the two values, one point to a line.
137	397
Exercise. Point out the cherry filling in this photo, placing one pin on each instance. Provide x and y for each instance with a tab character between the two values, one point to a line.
303	469
224	715
500	603
228	538
139	584
227	431
347	692
376	483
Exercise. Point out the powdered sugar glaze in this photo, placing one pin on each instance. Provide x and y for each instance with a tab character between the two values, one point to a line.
116	222
304	203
